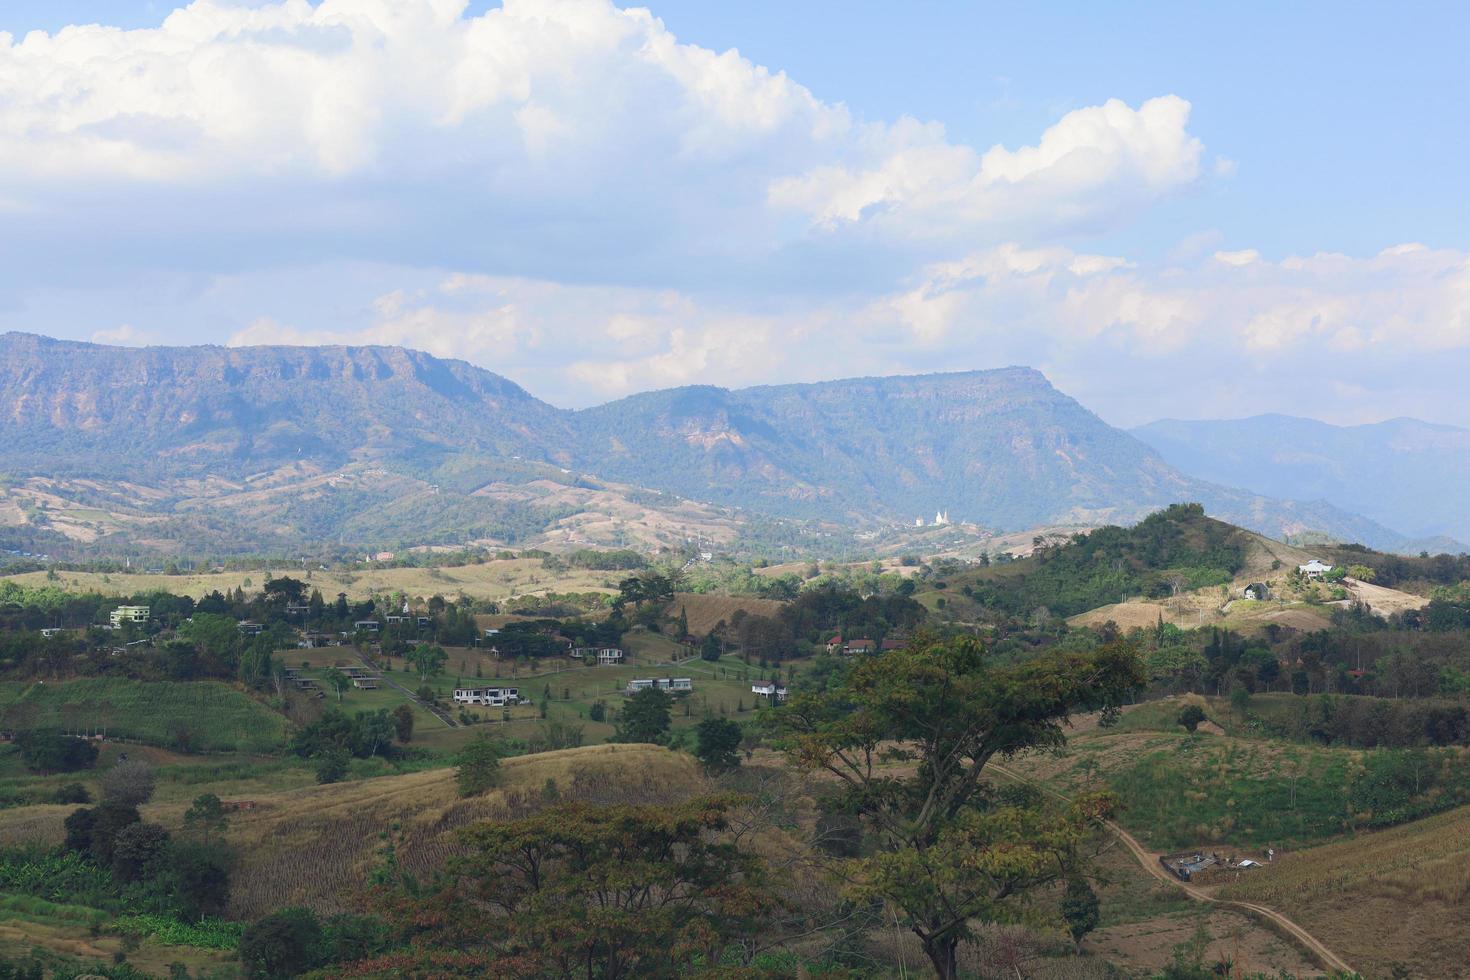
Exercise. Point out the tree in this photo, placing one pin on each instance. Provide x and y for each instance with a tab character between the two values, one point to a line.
1191	716
477	766
717	744
428	660
331	766
612	891
206	815
137	850
403	723
947	852
645	716
47	751
281	945
198	877
1080	908
336	680
129	783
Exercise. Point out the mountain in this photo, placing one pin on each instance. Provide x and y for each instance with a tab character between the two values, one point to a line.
87	409
1408	474
272	446
1002	448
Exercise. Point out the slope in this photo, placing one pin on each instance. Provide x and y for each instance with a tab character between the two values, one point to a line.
1396	471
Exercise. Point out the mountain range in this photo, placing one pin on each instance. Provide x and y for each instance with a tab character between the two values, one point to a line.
1408	474
266	446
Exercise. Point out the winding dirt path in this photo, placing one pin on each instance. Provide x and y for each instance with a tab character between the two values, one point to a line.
1150	862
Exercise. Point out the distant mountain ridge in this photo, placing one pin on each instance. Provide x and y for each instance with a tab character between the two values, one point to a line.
1409	474
1001	448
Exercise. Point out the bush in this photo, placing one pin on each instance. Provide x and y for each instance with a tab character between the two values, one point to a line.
129	783
1191	717
477	765
331	766
47	751
138	850
73	793
283	944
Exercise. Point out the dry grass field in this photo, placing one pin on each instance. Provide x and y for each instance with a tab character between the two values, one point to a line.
704	611
1397	896
315	845
495	580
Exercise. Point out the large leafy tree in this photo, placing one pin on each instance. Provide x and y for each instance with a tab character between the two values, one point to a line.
645	716
605	891
909	734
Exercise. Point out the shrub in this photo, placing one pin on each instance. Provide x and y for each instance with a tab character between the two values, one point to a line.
477	765
47	751
129	783
331	766
281	945
73	793
1191	717
137	851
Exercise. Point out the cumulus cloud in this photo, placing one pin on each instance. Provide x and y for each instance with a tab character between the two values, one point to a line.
563	138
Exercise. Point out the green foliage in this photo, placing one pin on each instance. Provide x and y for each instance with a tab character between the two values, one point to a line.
189	715
477	766
1080	908
128	783
206	815
945	853
1178	545
608	891
48	751
717	744
169	931
1191	716
331	765
281	945
645	716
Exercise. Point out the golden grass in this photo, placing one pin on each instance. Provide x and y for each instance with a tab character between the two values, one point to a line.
1397	896
704	611
492	580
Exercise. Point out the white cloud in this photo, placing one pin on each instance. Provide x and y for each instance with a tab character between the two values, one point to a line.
588	136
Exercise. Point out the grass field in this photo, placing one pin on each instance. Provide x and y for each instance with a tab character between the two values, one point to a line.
705	611
1396	896
314	844
1180	790
496	580
208	715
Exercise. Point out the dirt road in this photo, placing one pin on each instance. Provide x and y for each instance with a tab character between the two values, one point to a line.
1150	862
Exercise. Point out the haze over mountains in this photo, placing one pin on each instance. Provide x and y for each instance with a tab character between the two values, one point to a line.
1408	474
328	440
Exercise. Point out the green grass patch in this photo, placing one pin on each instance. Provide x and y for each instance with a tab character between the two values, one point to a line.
201	716
168	931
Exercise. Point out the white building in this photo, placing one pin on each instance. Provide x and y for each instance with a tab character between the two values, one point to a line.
772	690
495	697
129	614
674	685
605	656
1314	569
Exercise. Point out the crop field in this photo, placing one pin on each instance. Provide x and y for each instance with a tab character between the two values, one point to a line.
204	716
1181	791
1393	897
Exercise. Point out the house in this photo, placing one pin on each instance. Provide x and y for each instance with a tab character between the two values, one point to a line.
366	625
494	697
49	632
673	685
860	646
249	628
138	615
297	609
424	622
365	683
395	620
1257	591
773	690
1314	569
605	656
891	644
834	645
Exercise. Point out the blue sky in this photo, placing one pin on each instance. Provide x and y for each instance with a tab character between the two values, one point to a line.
1239	213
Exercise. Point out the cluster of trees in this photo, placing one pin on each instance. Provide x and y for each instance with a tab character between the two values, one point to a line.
187	876
335	738
1378	722
1170	550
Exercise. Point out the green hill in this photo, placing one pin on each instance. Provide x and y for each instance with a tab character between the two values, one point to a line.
202	716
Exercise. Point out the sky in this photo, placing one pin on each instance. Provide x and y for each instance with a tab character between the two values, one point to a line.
1188	210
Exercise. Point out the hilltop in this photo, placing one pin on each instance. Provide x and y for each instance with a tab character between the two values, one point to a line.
1396	471
260	449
